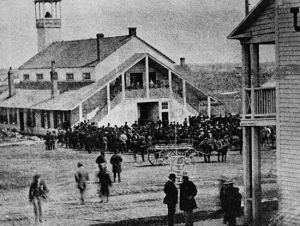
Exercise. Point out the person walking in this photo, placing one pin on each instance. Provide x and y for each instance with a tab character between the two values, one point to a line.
188	191
81	178
231	203
37	193
171	198
116	160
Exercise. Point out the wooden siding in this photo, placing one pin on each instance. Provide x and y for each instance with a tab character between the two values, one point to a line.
288	39
265	22
289	136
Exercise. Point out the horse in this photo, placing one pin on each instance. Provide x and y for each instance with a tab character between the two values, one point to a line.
206	147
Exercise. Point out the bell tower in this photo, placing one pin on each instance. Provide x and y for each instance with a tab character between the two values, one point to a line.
48	22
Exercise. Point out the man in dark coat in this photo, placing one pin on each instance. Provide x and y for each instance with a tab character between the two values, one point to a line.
188	191
116	160
171	198
81	178
231	203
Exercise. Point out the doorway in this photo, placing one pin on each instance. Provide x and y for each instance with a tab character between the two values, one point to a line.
165	118
148	113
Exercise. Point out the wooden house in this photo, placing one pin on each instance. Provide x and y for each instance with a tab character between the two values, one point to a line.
105	80
272	22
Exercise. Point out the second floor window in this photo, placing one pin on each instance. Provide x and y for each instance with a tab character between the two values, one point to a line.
39	77
86	76
164	105
26	77
70	76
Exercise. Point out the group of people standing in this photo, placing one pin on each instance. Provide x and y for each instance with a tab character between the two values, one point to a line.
187	202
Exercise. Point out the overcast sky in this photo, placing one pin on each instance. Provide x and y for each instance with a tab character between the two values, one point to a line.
194	29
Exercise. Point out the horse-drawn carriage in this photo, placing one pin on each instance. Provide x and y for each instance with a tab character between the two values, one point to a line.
163	153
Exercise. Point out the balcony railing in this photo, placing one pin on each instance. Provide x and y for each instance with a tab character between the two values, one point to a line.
48	22
260	102
159	92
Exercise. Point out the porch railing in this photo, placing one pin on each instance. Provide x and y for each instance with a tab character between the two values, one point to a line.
260	102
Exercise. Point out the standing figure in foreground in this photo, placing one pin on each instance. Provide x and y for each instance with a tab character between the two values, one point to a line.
188	191
81	178
116	160
37	193
105	183
171	198
231	203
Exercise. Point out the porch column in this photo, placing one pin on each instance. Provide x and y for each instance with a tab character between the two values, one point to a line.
247	157
184	94
254	51
208	107
147	76
123	86
108	98
256	178
80	113
170	82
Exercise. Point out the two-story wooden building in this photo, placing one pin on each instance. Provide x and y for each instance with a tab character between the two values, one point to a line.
272	22
105	80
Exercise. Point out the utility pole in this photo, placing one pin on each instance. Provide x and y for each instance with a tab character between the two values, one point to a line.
246	7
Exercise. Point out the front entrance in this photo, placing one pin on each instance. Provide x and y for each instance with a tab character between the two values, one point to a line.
148	113
21	114
165	118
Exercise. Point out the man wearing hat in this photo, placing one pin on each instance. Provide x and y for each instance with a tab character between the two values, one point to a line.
188	191
230	203
81	178
171	198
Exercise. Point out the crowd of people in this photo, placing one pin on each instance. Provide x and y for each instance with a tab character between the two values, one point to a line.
136	138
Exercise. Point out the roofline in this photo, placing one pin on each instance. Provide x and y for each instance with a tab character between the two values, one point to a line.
249	18
155	49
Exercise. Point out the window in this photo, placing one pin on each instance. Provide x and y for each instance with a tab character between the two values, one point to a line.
39	77
13	117
30	118
25	76
136	80
70	76
86	76
3	115
45	119
164	105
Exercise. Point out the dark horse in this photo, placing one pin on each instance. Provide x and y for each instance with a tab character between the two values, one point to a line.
206	147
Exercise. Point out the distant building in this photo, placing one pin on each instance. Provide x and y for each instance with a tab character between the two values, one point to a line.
106	80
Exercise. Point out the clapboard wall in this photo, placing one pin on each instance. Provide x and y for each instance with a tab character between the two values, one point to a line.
288	116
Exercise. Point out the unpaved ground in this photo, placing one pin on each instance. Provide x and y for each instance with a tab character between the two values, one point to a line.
137	200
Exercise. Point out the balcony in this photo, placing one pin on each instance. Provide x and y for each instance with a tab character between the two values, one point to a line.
48	22
260	106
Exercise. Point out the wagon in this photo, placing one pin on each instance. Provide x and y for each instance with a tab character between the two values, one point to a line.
162	154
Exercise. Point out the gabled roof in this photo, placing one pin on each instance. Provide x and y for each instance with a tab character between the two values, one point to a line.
248	20
78	53
71	99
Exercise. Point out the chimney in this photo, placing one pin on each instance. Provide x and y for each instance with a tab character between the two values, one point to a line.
53	77
99	36
182	61
132	31
11	85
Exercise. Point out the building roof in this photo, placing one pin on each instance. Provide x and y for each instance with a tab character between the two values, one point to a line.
78	53
71	99
248	20
24	98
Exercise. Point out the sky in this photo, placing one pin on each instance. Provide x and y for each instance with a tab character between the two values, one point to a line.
194	29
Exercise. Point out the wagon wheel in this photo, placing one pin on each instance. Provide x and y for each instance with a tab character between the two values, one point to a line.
157	157
191	155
